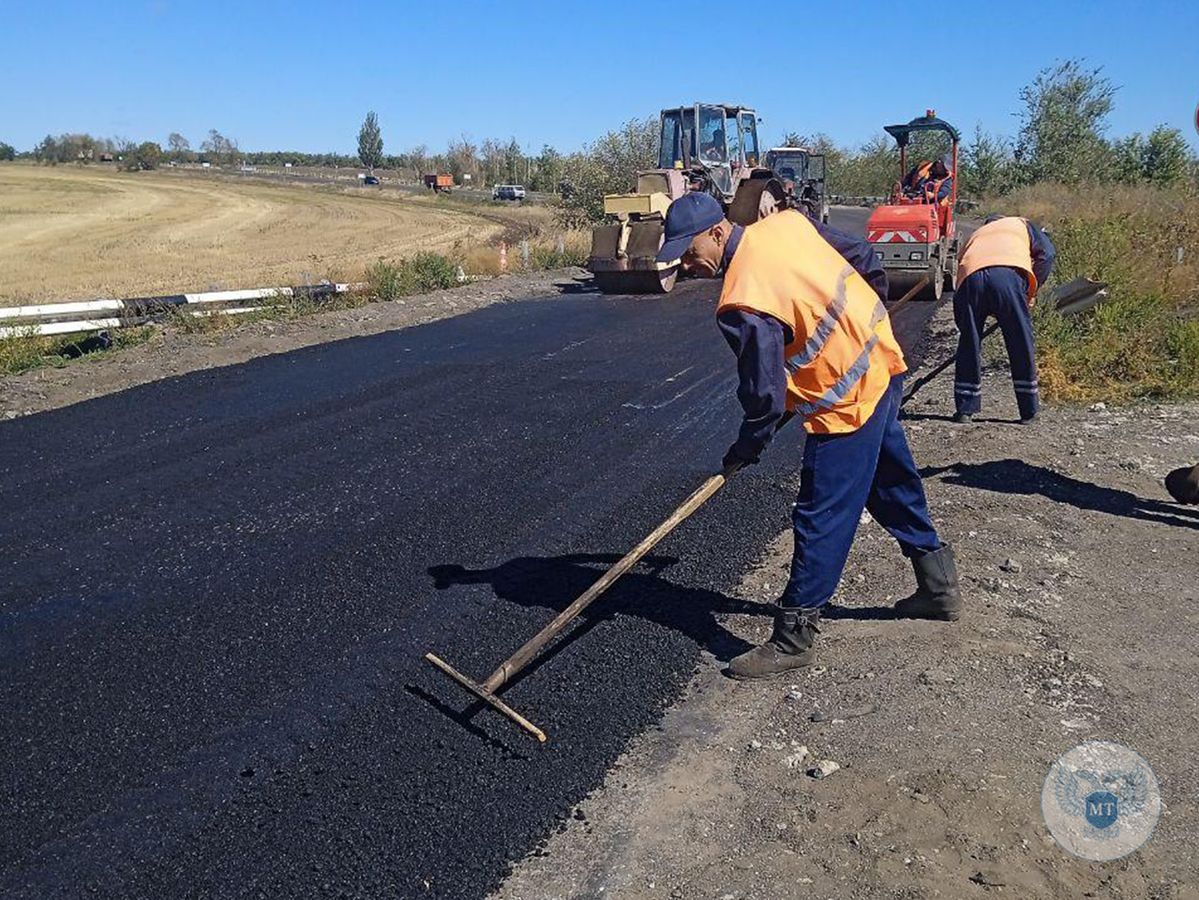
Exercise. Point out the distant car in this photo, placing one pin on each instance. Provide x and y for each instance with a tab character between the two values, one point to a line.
508	192
371	179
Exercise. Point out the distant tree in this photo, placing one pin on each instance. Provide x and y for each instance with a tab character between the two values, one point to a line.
608	166
220	149
7	152
179	146
549	168
873	168
514	162
1061	127
417	159
987	166
461	158
142	158
1126	158
1166	158
46	152
370	142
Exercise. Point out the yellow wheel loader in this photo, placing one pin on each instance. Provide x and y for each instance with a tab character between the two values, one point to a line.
706	147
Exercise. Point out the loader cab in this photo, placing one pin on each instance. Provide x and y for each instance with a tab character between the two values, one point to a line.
720	139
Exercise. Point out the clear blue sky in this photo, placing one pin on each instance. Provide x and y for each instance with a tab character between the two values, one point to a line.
301	75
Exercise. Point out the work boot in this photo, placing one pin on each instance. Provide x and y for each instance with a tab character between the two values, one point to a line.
791	646
937	595
1183	484
963	418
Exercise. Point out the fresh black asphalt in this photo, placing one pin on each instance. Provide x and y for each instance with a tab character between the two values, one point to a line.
216	592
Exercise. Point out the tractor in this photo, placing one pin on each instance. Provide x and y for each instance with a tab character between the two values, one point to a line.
802	175
704	147
915	234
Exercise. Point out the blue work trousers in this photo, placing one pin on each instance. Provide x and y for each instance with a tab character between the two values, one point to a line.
871	468
1001	292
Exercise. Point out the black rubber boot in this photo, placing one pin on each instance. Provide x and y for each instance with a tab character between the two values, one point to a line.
937	595
1183	485
791	646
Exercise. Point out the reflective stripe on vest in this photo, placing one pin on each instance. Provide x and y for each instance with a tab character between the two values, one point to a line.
1004	242
831	319
837	392
841	353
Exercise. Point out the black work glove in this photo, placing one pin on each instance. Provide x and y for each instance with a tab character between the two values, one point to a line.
739	456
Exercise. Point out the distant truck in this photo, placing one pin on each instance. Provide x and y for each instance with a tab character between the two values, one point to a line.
441	183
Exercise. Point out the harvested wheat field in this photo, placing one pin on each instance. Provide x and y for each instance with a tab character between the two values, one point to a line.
79	233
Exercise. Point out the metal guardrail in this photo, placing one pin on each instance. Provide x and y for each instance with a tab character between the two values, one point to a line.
97	315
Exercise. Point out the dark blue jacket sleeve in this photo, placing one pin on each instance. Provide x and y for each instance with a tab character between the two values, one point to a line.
859	253
946	187
758	342
1043	253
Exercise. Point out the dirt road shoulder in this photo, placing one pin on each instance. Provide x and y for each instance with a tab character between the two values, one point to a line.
1080	582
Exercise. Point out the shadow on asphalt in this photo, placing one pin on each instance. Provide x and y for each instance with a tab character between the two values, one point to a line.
554	582
859	613
577	286
941	417
1013	476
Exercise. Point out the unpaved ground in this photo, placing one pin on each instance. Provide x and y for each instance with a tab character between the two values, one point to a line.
1081	584
173	352
71	233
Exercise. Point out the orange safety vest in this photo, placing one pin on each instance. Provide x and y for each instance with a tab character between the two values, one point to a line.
1004	242
842	353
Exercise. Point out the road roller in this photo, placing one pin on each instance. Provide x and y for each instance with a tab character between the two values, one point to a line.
915	232
703	147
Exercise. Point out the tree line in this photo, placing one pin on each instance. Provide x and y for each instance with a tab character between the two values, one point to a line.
1062	137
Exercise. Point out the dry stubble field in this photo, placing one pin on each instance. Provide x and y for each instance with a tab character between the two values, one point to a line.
78	233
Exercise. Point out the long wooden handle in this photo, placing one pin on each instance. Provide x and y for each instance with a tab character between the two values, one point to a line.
521	657
916	288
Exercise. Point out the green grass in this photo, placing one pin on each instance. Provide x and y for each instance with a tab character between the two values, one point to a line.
24	352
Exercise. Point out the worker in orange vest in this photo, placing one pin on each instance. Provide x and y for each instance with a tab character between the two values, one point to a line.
802	310
939	184
913	183
999	271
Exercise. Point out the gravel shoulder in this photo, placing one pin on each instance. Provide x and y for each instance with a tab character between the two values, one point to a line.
172	352
1080	582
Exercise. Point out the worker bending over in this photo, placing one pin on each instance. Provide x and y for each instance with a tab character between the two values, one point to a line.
801	310
999	271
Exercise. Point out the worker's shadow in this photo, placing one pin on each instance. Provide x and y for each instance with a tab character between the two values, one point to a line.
554	582
1013	476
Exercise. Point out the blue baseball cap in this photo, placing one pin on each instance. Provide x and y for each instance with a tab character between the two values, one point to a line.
693	213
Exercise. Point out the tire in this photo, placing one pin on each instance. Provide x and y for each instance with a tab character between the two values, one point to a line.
640	281
935	287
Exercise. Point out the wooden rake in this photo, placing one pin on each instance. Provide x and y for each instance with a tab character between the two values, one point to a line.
508	669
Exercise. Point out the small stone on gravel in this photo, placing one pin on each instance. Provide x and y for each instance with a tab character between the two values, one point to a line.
824	769
797	759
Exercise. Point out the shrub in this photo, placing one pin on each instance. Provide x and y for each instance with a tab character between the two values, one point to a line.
423	272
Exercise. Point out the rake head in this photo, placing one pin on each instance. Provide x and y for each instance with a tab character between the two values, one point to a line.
486	696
